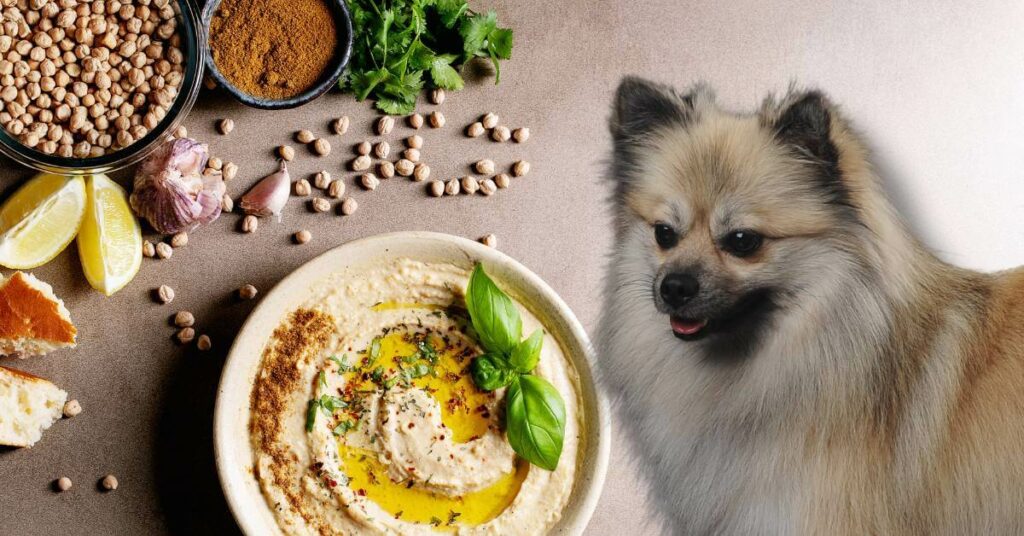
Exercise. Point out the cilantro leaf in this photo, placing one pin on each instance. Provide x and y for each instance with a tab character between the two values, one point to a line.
444	75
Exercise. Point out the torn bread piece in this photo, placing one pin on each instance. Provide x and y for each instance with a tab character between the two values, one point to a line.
28	405
33	321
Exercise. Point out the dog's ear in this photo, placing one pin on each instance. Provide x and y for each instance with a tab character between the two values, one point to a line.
805	123
642	106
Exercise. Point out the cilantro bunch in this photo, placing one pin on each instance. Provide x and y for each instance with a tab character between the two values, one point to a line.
401	46
534	409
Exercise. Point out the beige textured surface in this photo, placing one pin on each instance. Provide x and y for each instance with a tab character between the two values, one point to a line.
936	85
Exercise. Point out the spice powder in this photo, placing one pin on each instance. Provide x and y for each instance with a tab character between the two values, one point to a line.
273	49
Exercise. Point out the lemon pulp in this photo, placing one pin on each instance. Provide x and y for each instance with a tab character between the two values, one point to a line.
39	220
461	412
110	240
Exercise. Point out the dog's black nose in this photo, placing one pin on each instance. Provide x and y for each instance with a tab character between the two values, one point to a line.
677	289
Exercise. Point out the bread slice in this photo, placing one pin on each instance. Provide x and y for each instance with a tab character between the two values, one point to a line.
28	405
33	321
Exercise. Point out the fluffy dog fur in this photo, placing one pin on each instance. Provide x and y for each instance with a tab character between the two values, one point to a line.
849	381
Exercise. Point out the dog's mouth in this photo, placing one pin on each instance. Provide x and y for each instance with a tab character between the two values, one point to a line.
748	314
687	328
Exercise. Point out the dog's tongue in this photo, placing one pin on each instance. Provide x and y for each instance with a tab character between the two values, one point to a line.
687	327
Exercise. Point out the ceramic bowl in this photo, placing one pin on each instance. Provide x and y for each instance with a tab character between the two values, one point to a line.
328	79
233	450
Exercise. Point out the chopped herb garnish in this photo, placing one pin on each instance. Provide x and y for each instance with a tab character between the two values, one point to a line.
452	516
311	415
435	521
375	348
343	365
344	426
322	379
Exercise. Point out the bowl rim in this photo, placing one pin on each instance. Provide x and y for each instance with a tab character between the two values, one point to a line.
240	487
194	34
328	79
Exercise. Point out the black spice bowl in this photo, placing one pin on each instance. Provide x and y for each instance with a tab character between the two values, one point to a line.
327	80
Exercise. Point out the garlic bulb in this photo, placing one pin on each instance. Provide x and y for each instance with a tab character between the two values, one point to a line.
269	195
171	192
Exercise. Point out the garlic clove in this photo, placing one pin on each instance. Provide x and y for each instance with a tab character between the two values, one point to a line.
269	195
170	191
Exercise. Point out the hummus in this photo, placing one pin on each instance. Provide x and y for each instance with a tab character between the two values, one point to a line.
365	419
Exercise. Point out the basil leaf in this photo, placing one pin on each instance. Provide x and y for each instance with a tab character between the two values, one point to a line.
495	318
535	421
490	372
526	354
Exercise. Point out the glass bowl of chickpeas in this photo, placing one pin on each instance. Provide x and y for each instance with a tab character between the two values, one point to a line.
95	86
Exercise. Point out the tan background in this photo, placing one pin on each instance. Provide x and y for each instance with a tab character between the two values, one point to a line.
937	86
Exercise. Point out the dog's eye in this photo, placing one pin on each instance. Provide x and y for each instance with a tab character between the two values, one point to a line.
665	235
742	243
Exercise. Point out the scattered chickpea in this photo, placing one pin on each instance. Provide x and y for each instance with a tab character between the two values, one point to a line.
369	181
361	163
340	125
230	170
502	180
215	163
302	237
436	188
404	167
321	147
165	294
452	187
336	190
185	335
109	483
181	132
320	204
386	169
322	179
421	172
489	120
436	119
249	224
489	240
363	148
382	149
247	292
286	152
487	187
204	343
179	240
72	408
521	134
437	96
484	167
304	136
148	250
475	130
226	203
385	124
184	319
415	121
225	126
520	168
470	185
63	484
348	206
164	250
414	142
412	155
500	134
302	187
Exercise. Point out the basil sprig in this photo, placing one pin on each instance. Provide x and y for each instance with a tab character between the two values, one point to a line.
535	411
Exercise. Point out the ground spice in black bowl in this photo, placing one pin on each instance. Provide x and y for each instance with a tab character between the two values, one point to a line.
273	49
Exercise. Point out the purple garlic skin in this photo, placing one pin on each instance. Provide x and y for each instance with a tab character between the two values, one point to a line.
172	193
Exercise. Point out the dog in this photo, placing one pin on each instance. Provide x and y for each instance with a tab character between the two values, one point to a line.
785	357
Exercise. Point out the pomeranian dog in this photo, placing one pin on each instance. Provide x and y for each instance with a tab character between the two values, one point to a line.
785	356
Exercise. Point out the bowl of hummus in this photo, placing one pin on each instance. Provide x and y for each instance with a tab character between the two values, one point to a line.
349	402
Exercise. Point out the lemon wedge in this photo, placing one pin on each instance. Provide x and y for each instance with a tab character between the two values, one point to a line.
40	220
110	240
